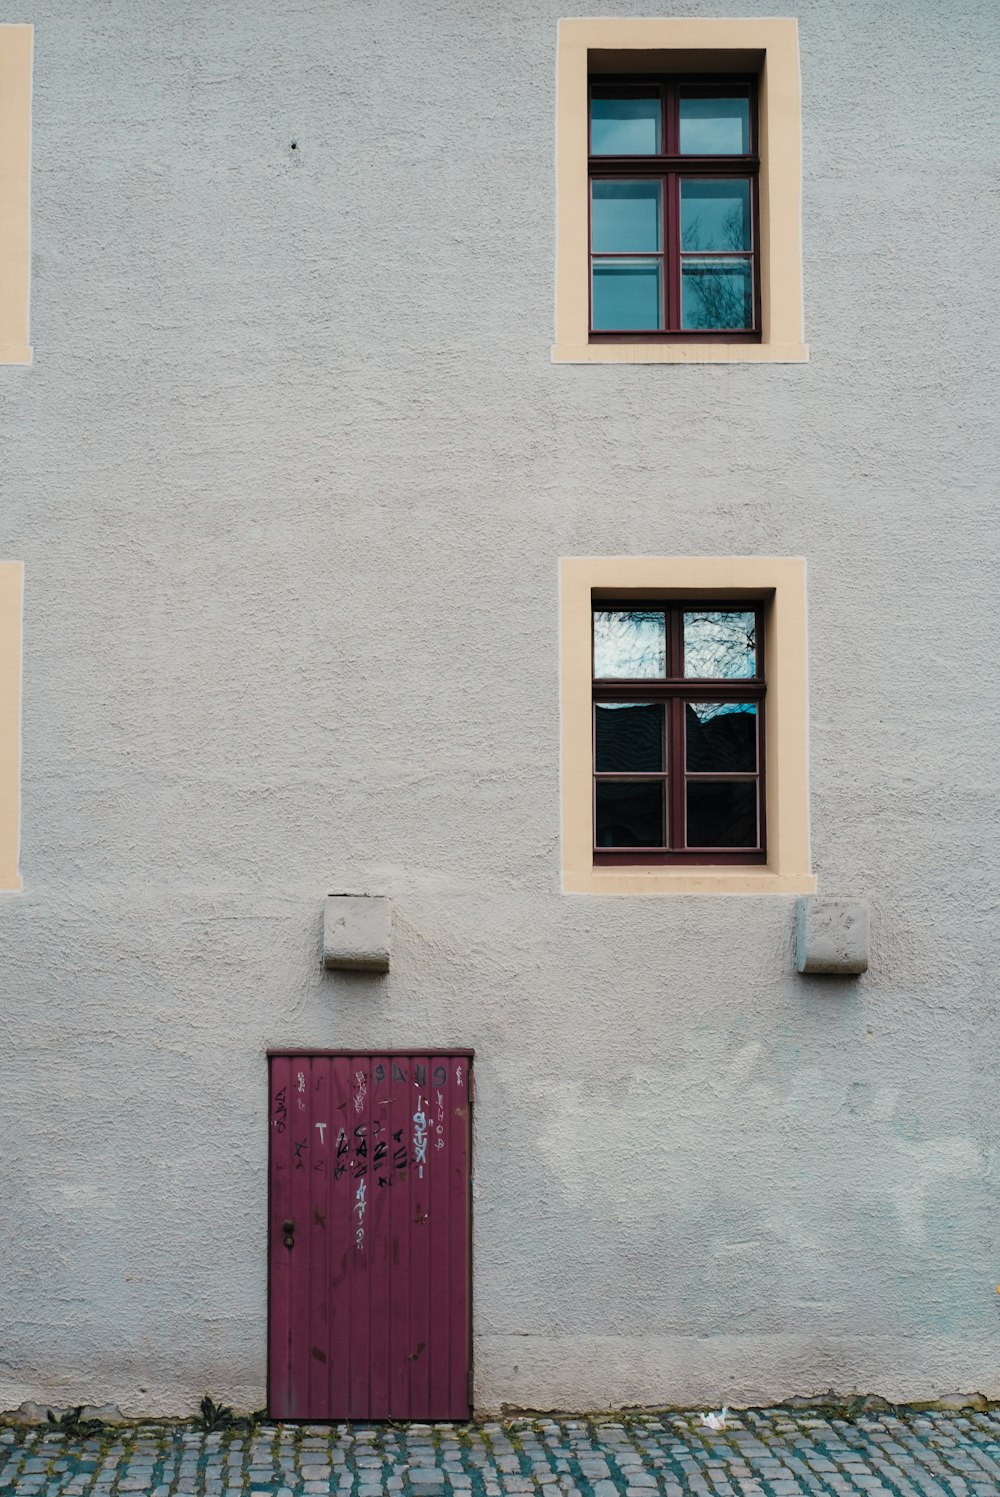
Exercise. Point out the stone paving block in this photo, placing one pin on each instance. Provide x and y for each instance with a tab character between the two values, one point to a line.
765	1454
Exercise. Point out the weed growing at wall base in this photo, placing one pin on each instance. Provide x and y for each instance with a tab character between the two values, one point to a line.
219	1416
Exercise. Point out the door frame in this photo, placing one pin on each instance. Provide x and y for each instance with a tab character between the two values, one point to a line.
287	1052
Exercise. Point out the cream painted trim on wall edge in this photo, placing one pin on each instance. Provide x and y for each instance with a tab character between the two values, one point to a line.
11	628
16	42
781	581
783	336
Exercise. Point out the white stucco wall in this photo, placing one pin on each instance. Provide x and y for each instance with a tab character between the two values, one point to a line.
290	476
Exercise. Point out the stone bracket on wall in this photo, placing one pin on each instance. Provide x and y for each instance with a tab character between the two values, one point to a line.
831	935
356	932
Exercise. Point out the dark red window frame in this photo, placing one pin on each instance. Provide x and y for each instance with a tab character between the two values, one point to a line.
675	690
669	167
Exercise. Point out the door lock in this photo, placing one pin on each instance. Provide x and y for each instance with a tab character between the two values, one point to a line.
288	1228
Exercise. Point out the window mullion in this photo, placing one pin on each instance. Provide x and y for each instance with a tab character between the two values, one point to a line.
671	258
675	643
675	771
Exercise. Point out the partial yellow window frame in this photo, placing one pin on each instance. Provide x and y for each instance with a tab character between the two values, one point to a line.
11	602
776	45
15	191
781	582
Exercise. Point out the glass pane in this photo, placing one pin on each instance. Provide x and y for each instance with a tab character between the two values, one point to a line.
629	645
628	737
625	218
715	215
715	127
626	126
716	293
720	644
627	295
721	737
722	813
629	815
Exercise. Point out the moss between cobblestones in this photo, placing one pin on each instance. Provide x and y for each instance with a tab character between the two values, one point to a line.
849	1409
99	1442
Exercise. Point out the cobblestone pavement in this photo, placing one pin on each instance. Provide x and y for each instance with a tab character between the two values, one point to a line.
764	1453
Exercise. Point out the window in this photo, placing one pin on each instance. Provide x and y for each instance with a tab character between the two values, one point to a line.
15	160
678	192
674	208
678	733
683	725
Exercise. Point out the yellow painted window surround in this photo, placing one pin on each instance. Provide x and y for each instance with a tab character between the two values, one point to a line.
769	47
15	191
780	583
11	591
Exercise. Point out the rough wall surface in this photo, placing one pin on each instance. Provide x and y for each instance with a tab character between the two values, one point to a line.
290	477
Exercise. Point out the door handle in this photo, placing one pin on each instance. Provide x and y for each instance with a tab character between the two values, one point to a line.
288	1228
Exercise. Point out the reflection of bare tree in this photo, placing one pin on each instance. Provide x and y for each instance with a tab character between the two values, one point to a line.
721	293
629	644
721	298
720	645
732	237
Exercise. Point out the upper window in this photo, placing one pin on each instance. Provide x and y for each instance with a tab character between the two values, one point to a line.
678	696
678	191
674	208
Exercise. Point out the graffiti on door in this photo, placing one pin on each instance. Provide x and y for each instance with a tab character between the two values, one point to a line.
369	1241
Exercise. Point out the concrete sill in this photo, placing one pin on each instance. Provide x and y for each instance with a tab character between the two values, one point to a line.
733	880
680	353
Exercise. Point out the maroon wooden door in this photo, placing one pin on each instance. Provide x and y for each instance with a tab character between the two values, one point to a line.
369	1249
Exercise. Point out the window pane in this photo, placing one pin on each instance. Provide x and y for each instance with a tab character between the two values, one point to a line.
626	126
721	736
715	127
715	215
630	815
627	295
720	644
625	218
628	736
721	813
716	293
629	645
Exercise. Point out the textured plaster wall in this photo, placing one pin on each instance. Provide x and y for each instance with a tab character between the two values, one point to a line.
290	477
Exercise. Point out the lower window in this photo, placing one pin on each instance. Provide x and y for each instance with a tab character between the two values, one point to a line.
678	733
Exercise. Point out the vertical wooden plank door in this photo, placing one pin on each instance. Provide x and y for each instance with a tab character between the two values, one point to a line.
369	1246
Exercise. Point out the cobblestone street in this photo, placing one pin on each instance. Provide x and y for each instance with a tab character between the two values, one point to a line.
763	1453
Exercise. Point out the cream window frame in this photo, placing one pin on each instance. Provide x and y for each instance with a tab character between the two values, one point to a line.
774	45
16	43
780	581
